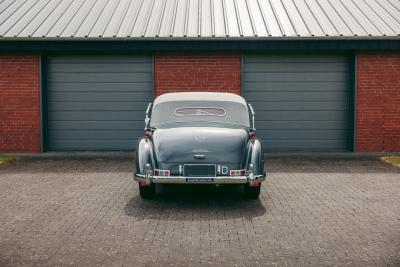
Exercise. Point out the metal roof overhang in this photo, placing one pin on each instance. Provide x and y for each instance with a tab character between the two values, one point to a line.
174	44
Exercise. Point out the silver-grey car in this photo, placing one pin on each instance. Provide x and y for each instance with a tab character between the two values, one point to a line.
199	138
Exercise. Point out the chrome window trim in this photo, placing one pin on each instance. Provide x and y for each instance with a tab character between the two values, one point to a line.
183	115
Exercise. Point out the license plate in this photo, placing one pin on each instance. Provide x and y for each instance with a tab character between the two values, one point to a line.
200	180
199	170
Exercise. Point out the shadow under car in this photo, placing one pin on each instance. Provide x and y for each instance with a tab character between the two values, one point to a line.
200	202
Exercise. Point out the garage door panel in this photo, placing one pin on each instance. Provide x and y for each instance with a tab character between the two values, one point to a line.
101	68
98	59
306	58
98	106
97	102
92	145
88	77
316	134
300	115
320	96
97	125
116	134
296	77
302	102
298	105
288	86
295	125
100	86
280	67
302	145
98	96
94	115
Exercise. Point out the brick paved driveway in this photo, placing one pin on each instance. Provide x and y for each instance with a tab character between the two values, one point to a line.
311	212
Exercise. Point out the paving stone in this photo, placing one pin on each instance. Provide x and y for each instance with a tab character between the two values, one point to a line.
87	211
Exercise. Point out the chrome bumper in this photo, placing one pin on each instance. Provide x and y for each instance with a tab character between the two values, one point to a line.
199	180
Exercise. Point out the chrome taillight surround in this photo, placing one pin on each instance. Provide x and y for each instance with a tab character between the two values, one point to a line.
158	172
237	172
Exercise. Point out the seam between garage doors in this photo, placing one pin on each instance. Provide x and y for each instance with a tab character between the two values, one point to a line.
354	102
43	102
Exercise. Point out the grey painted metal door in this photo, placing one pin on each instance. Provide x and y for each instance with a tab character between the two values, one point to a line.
97	102
302	102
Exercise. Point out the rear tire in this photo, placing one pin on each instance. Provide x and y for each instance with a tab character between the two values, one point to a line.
252	192
148	191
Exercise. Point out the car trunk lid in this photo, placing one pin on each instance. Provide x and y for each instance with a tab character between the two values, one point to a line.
200	145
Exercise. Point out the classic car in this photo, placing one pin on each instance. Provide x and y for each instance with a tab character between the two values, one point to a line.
199	138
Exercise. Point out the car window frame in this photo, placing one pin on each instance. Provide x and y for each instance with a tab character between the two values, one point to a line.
211	115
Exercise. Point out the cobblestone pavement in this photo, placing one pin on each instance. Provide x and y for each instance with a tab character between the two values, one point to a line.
86	211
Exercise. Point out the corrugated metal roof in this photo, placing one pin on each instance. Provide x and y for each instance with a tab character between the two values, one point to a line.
198	18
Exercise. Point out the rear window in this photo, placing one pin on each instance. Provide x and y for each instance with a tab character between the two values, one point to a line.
184	113
200	111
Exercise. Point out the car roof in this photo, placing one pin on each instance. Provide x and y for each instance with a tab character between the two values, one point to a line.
165	106
200	96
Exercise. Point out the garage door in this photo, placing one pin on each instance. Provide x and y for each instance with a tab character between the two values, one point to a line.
302	103
97	102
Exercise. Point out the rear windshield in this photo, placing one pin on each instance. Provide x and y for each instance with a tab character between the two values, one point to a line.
200	111
185	113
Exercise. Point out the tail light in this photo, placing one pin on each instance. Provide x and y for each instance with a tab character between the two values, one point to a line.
237	172
143	183
252	134
149	134
255	183
158	172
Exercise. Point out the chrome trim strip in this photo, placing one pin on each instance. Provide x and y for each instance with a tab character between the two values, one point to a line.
186	180
253	126
182	115
147	119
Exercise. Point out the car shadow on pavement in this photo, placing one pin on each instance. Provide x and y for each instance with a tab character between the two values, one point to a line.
314	164
199	202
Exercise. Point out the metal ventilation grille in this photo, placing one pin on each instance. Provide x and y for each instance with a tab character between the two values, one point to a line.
198	18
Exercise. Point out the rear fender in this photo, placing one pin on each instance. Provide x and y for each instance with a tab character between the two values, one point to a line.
144	155
255	156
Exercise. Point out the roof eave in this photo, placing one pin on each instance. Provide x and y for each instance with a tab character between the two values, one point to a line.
176	44
203	39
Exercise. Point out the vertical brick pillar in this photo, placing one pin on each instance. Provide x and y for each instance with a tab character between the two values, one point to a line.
185	72
19	103
378	102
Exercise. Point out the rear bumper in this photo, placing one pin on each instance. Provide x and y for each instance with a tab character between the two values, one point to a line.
199	180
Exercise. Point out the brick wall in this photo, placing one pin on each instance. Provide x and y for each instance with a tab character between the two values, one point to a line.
378	102
180	72
378	94
19	104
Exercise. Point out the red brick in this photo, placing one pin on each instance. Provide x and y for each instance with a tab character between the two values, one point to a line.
19	103
185	72
378	102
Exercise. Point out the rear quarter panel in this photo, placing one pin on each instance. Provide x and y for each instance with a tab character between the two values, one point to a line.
144	155
256	156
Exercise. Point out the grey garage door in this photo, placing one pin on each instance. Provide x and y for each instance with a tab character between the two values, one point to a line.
302	103
97	102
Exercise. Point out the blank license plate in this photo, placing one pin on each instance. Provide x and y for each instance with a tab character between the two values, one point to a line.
199	170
